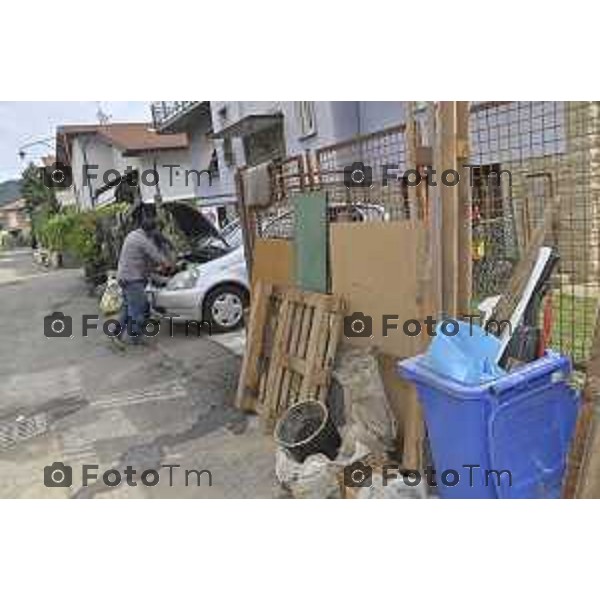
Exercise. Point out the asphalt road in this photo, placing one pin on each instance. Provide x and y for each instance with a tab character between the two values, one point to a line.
77	400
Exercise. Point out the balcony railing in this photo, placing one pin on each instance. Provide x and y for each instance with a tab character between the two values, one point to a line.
166	112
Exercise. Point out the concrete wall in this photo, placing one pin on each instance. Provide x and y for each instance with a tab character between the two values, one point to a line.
85	152
176	182
375	116
335	122
202	145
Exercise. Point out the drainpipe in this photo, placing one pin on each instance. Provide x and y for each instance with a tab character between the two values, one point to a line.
158	195
85	162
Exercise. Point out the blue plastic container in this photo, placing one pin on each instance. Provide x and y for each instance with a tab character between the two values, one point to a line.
469	356
521	423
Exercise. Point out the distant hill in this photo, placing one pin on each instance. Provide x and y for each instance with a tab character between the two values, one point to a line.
10	190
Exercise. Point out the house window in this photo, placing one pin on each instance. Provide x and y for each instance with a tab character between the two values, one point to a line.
213	167
222	115
306	117
228	153
262	146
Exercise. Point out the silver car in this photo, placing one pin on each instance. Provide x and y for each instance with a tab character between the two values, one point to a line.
212	287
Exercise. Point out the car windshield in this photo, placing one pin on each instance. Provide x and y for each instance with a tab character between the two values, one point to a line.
232	232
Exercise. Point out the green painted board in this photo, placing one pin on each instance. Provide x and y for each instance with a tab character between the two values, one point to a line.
310	241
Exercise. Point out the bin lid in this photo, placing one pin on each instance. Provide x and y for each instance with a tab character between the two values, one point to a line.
418	370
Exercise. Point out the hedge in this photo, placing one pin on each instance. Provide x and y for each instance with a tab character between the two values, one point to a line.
75	231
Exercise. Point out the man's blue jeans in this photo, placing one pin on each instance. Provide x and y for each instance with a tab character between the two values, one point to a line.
135	309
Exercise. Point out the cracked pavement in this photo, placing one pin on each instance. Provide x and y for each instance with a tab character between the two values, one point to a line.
80	401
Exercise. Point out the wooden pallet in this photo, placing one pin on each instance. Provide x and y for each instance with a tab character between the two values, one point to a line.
292	341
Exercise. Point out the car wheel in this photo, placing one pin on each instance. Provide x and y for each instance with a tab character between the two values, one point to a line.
224	307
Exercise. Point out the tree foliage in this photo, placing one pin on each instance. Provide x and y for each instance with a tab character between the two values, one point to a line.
36	194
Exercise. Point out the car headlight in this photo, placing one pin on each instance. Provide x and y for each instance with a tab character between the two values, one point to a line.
184	280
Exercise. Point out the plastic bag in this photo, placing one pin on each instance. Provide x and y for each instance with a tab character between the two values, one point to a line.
316	477
368	414
112	298
395	489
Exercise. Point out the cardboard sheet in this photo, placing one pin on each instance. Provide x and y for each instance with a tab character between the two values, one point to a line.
375	268
273	262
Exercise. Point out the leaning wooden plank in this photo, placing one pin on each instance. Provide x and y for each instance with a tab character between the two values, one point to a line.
268	343
588	470
275	373
414	432
520	276
576	475
398	396
286	364
316	385
312	352
335	335
582	478
304	331
249	376
465	271
283	380
446	159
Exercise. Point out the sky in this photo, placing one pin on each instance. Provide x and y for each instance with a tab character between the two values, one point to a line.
24	122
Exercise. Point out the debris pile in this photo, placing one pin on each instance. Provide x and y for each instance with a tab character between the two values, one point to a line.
333	365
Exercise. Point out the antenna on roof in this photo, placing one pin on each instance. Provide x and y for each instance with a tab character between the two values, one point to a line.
103	118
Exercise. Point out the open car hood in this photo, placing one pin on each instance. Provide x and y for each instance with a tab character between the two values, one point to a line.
192	223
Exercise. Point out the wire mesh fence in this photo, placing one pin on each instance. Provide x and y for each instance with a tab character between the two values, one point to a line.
370	199
523	156
377	159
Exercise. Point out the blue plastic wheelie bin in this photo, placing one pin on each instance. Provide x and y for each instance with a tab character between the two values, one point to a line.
513	431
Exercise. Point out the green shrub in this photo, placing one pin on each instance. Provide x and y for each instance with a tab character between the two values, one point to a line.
81	237
76	231
54	231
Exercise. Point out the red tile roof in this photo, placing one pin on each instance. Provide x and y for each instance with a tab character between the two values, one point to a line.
131	137
18	204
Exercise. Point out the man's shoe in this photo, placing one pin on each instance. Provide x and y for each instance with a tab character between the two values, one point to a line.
117	343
